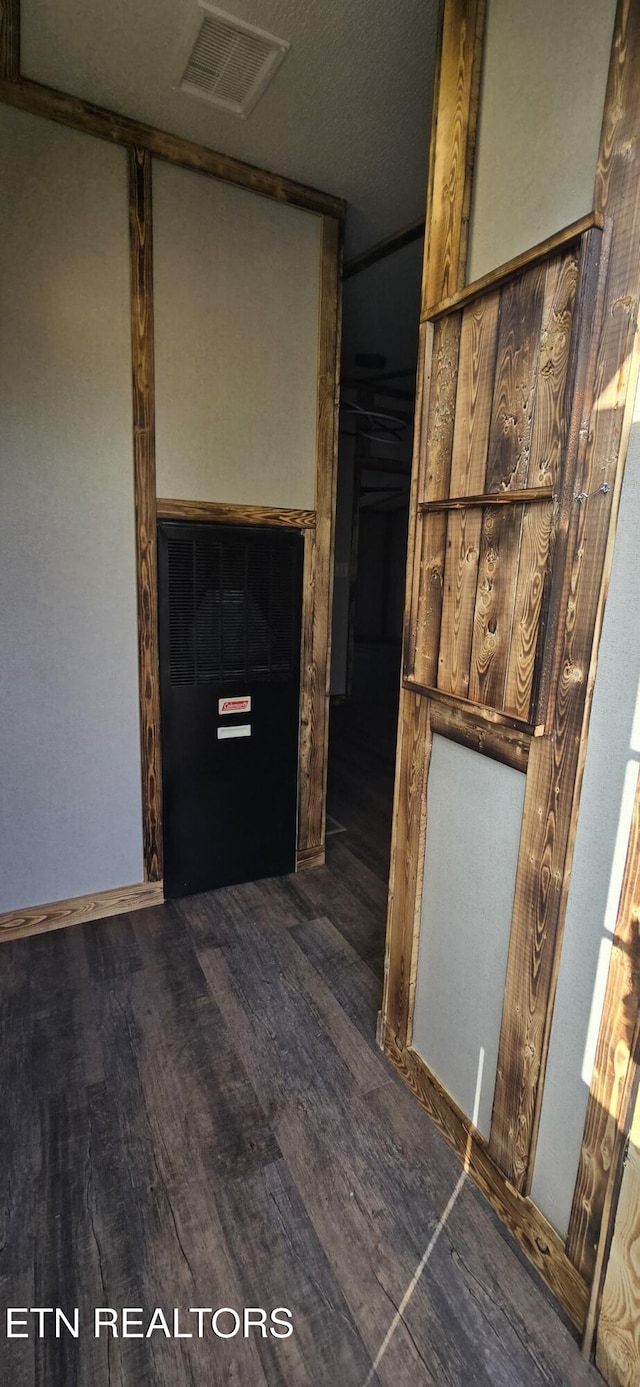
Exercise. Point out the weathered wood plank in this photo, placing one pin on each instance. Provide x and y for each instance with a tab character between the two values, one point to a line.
478	344
118	129
508	458
548	437
144	464
614	1068
10	40
499	742
221	514
556	761
318	561
37	919
435	413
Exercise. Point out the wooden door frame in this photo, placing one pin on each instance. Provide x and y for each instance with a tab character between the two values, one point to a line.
143	143
554	762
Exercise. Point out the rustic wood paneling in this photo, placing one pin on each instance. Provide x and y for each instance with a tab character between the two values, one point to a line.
535	1236
476	366
36	919
220	514
618	1343
142	345
617	1055
9	40
109	125
504	273
557	760
318	562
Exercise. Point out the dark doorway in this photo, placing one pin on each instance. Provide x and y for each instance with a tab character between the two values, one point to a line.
230	617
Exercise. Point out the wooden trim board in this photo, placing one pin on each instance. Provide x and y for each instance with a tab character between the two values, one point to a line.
36	919
220	513
318	564
109	125
538	1240
496	278
143	380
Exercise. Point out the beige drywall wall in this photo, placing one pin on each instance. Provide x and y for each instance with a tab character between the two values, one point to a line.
542	95
70	796
474	813
237	281
606	806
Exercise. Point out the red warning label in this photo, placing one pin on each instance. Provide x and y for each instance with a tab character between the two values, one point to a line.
235	705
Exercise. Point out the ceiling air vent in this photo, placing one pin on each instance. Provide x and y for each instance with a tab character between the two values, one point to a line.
230	63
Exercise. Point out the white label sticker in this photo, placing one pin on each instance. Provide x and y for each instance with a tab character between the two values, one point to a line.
235	705
243	730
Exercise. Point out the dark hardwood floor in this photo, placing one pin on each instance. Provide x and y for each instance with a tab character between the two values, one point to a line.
194	1113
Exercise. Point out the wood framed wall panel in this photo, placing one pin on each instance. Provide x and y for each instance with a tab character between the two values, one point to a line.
612	1085
452	149
318	566
618	1343
142	361
551	815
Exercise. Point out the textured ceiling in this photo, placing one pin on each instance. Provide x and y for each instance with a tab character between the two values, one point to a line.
348	111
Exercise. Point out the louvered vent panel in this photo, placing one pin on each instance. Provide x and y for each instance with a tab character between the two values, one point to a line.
231	62
232	610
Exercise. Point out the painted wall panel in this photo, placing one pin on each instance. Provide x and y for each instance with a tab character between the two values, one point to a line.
541	102
606	806
70	797
237	281
474	814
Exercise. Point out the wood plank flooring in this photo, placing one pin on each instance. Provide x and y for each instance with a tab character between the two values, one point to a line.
194	1113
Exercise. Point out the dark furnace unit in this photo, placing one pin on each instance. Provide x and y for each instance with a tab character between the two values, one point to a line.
230	631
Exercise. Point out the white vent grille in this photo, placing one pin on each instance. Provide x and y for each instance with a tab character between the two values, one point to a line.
230	63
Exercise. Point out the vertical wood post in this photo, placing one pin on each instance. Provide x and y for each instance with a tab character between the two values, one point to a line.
142	361
318	567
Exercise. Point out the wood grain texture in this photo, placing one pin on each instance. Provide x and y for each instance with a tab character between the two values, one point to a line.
144	461
484	502
219	513
118	129
613	1079
493	717
498	742
476	365
37	919
452	148
10	40
433	444
538	1240
318	559
556	763
618	1344
507	468
495	279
